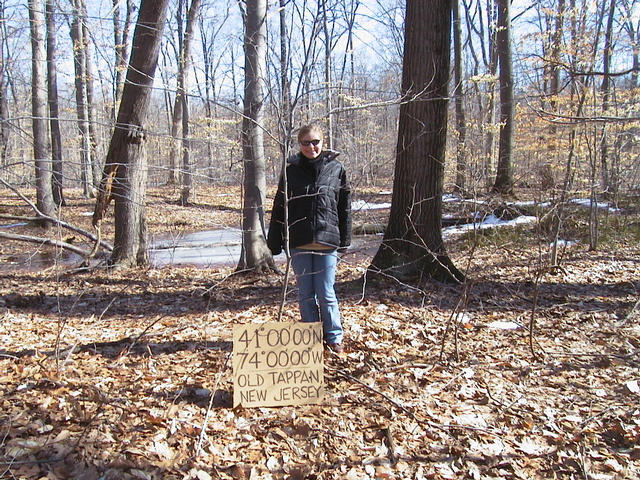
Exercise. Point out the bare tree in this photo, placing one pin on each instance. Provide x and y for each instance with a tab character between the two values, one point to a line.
461	129
609	179
328	77
286	110
632	27
125	172
413	247
82	102
178	104
95	167
504	174
255	254
44	193
54	114
212	46
185	56
121	39
4	87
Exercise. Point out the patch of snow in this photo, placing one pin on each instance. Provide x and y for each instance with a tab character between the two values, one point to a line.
490	221
450	198
364	205
585	202
503	325
565	243
530	203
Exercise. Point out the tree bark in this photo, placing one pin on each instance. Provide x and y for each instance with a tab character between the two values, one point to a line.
461	129
412	247
44	193
82	103
255	254
608	173
286	116
120	39
54	113
187	177
328	78
4	91
504	174
95	167
178	104
125	171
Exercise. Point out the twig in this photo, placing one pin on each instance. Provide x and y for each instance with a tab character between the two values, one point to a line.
203	429
135	340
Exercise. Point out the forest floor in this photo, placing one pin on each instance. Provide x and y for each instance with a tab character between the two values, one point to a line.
127	374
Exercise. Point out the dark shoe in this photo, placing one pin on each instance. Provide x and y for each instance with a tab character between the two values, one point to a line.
336	347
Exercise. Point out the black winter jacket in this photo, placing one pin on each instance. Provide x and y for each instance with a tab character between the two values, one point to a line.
319	204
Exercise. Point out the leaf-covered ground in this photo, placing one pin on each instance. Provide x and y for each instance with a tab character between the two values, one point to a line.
127	374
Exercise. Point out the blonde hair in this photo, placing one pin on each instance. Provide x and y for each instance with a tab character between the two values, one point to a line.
307	129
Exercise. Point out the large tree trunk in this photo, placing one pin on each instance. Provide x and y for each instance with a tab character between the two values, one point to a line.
125	171
504	174
412	247
44	193
52	91
255	254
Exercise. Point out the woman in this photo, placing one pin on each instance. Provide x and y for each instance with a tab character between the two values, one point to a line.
319	226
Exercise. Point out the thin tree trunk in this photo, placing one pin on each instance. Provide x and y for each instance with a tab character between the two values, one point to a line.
82	107
54	114
120	41
490	119
504	174
187	174
96	168
44	193
4	90
461	129
285	87
330	140
178	104
608	175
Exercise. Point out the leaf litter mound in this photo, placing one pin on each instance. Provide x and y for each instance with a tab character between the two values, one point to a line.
523	373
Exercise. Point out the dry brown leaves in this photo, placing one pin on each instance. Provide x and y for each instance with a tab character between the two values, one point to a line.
126	375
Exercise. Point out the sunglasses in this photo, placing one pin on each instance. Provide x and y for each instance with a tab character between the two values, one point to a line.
306	143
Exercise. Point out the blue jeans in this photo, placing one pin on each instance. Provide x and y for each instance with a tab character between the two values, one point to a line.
315	275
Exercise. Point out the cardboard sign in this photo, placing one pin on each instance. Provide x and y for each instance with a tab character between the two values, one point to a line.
277	364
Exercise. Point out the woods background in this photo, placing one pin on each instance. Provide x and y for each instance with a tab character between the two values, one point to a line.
526	367
575	85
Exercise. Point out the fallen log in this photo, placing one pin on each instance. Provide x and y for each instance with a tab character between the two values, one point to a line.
62	224
46	241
